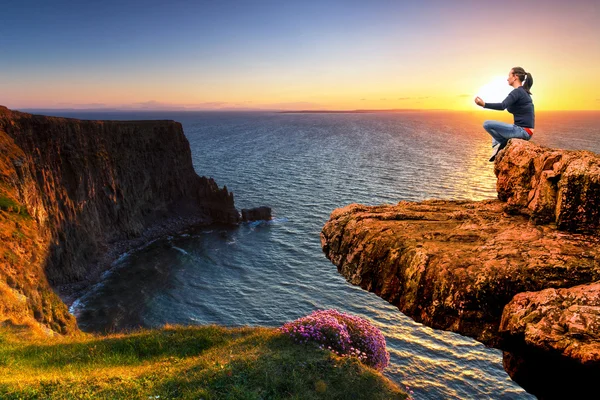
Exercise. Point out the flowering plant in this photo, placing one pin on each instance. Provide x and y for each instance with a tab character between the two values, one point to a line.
343	334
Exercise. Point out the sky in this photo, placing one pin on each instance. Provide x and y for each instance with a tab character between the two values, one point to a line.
296	55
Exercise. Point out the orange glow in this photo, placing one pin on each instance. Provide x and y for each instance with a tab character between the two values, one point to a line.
443	91
446	68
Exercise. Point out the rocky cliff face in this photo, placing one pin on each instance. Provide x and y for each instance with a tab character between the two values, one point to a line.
529	260
455	265
75	193
553	338
551	186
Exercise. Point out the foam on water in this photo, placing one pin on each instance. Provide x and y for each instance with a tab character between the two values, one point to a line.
181	250
75	307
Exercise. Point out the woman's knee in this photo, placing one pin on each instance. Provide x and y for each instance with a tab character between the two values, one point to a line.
487	125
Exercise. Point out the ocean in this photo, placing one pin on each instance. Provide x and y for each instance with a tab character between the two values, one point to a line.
303	166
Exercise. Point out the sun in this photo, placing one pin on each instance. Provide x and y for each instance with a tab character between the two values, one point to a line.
495	91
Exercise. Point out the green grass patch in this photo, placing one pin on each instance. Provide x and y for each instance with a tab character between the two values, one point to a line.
8	204
208	362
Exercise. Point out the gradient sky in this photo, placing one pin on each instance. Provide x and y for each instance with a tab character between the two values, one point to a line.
294	54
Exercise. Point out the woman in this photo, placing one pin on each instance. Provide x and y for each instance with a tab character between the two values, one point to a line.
519	103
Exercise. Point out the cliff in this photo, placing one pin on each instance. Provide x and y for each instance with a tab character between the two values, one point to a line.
551	186
74	194
517	273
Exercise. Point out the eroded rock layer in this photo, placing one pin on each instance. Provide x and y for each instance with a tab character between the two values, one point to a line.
455	265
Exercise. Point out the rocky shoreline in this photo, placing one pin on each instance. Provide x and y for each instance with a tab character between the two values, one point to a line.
518	273
70	292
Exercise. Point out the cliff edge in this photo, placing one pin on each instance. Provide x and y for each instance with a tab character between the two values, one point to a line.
74	194
519	273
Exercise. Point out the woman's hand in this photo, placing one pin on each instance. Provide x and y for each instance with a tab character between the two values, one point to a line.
479	102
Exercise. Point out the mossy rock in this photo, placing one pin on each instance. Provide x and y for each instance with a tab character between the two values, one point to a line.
8	204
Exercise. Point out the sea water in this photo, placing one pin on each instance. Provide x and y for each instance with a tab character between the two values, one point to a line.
304	166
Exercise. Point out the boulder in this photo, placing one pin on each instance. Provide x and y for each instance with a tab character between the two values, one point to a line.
561	321
550	185
552	339
256	214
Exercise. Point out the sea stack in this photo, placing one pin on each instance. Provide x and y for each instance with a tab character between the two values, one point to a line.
256	214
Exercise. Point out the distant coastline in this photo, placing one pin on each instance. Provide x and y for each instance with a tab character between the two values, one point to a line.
126	110
393	110
52	111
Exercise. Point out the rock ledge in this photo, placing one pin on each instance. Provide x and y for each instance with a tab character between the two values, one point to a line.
519	273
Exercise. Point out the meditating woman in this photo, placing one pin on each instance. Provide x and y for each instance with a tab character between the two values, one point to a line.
519	103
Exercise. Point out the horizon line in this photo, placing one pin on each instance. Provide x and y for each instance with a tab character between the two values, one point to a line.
275	110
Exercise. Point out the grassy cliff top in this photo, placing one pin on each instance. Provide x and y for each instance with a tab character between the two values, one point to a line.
207	362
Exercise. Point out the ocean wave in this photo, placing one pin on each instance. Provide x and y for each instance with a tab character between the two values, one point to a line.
179	249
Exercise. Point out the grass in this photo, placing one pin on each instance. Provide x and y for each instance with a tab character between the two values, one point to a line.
208	362
8	204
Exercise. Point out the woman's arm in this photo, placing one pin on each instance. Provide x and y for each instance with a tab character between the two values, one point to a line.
508	101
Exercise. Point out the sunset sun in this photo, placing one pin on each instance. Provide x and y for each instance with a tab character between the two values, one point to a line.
494	91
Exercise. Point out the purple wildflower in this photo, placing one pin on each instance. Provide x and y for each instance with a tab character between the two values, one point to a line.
344	334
